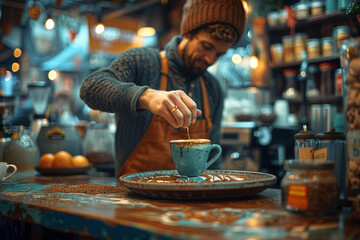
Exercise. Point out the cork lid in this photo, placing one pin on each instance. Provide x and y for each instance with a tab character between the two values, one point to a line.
331	135
305	134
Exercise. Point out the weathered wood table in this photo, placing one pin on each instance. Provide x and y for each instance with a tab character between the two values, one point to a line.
28	212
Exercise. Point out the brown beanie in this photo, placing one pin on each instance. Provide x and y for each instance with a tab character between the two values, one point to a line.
200	12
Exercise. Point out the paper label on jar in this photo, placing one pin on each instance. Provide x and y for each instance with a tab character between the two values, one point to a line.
298	197
353	143
320	155
306	153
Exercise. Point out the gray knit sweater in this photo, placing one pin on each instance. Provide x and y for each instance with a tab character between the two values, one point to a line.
117	88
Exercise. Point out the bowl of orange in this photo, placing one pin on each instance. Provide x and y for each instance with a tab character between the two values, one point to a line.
62	163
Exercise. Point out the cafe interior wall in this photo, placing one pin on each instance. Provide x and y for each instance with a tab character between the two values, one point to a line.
67	50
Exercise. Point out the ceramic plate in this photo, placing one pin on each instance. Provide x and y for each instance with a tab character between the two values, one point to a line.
62	171
196	189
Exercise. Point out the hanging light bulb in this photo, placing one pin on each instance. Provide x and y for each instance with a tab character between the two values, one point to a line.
100	28
49	23
146	31
254	62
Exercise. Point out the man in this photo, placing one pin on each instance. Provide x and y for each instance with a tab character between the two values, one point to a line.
157	95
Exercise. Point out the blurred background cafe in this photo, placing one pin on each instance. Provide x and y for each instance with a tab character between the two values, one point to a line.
286	72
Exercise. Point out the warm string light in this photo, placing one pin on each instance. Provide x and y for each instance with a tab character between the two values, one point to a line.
49	24
100	28
146	31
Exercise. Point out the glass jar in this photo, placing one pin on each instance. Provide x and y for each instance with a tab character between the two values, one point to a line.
350	64
273	19
341	33
288	48
22	151
327	46
300	41
313	48
301	11
277	52
99	144
309	188
327	87
290	90
317	8
305	144
332	147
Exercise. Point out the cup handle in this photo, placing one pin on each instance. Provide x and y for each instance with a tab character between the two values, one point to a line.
214	158
13	172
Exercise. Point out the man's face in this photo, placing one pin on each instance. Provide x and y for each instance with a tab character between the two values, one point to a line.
202	51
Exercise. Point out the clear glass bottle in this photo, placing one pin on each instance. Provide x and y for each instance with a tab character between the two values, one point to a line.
309	188
98	144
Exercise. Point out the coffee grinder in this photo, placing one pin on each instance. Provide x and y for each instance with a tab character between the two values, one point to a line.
7	104
39	93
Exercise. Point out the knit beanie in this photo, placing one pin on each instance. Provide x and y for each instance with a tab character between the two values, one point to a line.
200	12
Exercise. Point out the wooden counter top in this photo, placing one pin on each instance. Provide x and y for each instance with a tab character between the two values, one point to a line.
124	215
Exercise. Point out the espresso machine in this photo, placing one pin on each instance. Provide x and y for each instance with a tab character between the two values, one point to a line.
7	104
39	93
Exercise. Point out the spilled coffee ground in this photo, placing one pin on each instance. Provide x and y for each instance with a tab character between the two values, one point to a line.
84	188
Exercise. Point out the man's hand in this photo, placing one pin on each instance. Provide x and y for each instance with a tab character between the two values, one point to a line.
162	103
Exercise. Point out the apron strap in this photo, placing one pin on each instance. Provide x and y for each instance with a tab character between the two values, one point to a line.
205	103
164	71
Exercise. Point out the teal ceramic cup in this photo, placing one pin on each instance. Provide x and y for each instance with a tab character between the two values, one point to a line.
191	156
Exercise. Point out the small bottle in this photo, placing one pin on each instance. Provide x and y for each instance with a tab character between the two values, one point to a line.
305	144
327	84
338	82
290	91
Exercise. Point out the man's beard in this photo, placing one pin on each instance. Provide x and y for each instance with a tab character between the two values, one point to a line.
190	67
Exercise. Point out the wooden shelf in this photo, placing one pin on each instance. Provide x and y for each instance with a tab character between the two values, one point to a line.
318	100
310	61
311	21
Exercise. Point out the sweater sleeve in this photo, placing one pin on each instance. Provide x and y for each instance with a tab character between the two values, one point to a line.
118	87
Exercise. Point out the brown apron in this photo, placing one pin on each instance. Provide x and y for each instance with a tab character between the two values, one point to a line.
153	150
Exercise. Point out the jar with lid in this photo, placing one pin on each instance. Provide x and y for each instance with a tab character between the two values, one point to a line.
332	147
277	52
309	187
98	144
273	19
317	8
288	48
22	151
290	90
341	33
350	65
301	11
327	83
327	46
313	48
300	41
305	144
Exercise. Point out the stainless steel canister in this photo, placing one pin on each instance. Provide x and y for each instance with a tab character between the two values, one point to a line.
334	143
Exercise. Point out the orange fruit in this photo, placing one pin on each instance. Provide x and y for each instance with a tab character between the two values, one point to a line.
46	160
80	161
62	160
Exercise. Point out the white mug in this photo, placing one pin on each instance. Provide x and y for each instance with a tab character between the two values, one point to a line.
3	170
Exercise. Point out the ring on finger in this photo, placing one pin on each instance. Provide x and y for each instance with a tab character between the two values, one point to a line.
174	108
